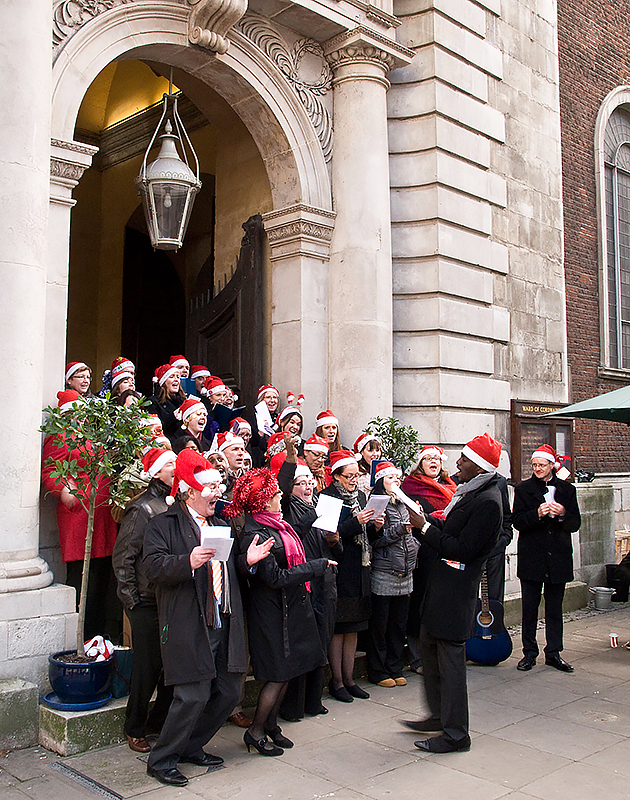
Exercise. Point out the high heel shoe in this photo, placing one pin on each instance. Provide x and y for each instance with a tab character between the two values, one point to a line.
275	734
264	746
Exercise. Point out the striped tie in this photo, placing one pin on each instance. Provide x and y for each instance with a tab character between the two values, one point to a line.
217	580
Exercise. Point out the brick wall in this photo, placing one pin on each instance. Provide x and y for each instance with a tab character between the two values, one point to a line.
594	55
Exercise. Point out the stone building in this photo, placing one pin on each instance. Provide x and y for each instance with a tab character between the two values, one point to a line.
396	170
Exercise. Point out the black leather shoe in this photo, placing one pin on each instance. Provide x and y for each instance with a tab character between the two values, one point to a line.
356	691
558	663
342	694
205	760
526	663
321	710
443	744
430	725
171	776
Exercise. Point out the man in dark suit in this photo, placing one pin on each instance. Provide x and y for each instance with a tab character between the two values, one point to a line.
463	541
202	631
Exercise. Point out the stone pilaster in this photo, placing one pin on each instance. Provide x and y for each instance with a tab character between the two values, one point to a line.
299	239
360	275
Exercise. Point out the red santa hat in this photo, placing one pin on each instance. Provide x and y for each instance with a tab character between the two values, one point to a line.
178	361
156	458
326	418
212	385
362	442
120	376
317	444
385	468
151	421
192	471
252	492
276	444
340	459
68	400
292	401
268	387
289	411
432	450
484	451
302	471
547	452
122	364
223	440
75	366
239	424
199	371
276	462
192	405
162	373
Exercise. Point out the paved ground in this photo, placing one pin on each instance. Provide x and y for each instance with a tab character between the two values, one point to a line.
540	734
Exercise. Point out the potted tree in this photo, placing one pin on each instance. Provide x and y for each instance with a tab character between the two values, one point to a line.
97	442
400	443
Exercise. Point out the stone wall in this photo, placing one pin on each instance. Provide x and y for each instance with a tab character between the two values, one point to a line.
594	59
476	216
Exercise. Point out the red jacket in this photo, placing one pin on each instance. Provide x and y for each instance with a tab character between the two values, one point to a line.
73	522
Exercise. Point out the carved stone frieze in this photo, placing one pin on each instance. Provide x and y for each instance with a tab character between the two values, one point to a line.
289	60
70	15
362	44
210	21
66	170
301	227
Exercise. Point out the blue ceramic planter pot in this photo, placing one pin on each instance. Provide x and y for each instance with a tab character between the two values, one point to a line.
79	683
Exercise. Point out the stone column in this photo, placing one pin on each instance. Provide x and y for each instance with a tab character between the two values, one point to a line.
24	167
299	239
360	275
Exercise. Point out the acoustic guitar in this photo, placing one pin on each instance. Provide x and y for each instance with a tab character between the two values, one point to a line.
491	644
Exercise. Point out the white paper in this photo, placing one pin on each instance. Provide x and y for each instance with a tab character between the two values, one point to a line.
328	511
550	494
406	500
219	539
263	418
378	502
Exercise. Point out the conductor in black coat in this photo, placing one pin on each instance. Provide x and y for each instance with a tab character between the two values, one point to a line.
545	514
462	541
202	630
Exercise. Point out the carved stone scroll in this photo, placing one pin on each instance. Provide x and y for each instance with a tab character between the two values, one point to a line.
210	21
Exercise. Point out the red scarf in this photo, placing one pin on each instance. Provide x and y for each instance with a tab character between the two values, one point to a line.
293	546
439	495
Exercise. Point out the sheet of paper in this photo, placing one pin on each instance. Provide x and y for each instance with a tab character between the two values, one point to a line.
263	418
328	510
218	538
406	500
550	494
378	502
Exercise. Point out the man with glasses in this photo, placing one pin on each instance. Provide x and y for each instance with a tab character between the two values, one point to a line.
202	631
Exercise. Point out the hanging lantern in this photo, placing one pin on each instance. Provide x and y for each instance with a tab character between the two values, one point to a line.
167	186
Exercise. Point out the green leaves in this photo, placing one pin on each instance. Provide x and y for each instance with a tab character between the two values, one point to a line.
400	443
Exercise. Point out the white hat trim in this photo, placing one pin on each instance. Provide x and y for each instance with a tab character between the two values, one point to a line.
477	459
160	461
433	451
201	373
221	387
70	406
232	441
167	374
193	410
363	442
302	471
387	471
206	476
121	377
327	421
543	454
180	362
343	462
318	448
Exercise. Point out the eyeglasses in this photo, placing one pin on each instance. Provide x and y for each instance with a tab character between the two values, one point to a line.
305	484
353	477
317	456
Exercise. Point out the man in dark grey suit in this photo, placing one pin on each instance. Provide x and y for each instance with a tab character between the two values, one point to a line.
202	629
463	541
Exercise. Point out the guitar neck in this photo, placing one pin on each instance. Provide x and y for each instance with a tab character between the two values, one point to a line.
485	617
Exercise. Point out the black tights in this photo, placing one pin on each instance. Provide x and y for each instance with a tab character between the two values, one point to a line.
269	700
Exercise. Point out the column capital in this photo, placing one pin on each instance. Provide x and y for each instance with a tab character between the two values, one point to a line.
356	53
68	162
299	230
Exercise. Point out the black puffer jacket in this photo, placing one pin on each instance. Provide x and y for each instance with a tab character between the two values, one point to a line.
133	586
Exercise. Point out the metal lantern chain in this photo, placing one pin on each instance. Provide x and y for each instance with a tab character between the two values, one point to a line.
167	186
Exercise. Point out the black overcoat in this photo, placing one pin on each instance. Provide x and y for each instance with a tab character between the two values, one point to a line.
467	535
283	638
181	598
545	550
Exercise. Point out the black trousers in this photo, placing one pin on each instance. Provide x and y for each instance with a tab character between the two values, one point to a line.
530	596
387	634
146	675
495	570
444	673
198	709
303	695
103	609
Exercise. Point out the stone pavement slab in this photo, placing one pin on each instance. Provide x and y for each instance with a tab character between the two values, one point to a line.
540	734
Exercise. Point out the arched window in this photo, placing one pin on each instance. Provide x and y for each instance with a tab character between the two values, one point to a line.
616	153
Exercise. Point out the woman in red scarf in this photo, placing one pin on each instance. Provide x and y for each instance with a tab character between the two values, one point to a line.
283	637
429	485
